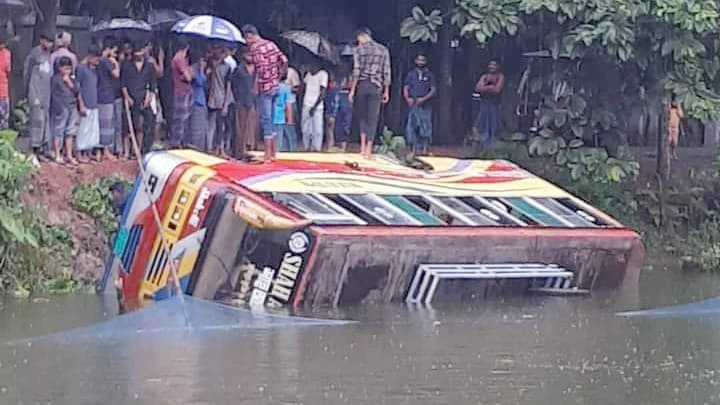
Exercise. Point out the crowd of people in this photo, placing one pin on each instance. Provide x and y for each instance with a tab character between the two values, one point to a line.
224	98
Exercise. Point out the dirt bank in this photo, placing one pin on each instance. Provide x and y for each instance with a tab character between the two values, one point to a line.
51	186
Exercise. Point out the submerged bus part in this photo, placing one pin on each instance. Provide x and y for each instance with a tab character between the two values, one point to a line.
313	230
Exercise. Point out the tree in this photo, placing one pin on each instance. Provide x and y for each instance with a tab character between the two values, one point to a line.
670	43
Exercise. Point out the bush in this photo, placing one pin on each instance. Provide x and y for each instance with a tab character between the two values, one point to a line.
32	252
96	201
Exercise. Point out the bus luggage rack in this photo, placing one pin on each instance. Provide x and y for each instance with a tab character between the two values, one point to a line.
427	277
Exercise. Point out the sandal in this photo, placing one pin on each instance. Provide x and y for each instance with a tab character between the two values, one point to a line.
72	162
59	161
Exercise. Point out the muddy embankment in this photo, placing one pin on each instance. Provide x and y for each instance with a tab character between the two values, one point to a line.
51	188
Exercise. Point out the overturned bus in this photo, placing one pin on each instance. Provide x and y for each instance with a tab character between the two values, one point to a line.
314	229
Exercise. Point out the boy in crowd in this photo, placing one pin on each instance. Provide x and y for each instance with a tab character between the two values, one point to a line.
316	84
219	99
282	117
63	110
37	74
246	116
108	72
5	69
88	135
343	113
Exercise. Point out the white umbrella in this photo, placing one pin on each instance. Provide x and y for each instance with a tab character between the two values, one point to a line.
209	27
121	24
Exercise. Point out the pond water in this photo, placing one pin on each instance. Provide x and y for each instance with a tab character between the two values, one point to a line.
525	350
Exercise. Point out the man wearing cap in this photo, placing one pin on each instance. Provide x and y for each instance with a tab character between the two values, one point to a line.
37	74
62	48
5	68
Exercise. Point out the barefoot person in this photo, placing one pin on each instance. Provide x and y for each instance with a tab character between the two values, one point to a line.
88	135
138	85
108	71
37	74
488	89
64	110
370	86
270	65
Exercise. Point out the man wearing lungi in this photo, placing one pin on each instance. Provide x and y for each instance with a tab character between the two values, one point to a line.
88	135
108	72
37	73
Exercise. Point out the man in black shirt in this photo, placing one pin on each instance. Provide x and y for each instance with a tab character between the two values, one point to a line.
138	84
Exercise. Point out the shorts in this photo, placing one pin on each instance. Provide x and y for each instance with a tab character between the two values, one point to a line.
265	113
65	123
368	100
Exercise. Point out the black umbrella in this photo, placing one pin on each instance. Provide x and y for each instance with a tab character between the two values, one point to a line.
164	18
313	42
121	24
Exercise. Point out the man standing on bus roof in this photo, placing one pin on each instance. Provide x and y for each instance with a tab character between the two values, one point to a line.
370	86
270	66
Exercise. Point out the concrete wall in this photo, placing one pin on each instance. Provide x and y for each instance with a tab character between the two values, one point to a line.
77	26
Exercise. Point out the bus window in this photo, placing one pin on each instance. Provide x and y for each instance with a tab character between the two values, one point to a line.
504	207
575	218
317	208
463	213
488	209
572	206
540	215
380	209
413	210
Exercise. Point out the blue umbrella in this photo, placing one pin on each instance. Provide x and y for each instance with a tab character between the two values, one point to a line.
209	27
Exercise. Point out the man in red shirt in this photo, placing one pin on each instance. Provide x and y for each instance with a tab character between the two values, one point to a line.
182	91
5	68
270	67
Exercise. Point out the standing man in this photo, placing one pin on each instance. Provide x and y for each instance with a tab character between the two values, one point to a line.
37	74
183	95
138	84
88	135
245	95
418	90
5	69
108	72
489	88
270	66
313	111
370	86
219	98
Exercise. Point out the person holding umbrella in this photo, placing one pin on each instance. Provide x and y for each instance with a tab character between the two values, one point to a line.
270	64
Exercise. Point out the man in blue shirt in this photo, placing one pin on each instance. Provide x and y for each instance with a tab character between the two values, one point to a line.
418	90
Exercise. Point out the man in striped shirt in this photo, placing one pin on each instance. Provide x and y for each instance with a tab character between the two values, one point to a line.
270	66
370	86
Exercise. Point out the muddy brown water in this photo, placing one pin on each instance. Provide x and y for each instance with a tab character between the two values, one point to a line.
524	350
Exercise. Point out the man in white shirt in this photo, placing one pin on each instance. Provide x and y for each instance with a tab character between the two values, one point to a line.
316	83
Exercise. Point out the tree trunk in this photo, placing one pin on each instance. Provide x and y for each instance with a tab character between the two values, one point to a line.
46	18
444	128
663	156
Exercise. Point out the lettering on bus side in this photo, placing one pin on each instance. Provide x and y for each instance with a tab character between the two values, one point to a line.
152	183
274	288
199	207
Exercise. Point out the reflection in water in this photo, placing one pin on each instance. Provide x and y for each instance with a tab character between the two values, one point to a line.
528	350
